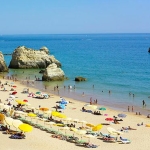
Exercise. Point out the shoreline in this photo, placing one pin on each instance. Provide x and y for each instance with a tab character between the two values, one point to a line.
81	99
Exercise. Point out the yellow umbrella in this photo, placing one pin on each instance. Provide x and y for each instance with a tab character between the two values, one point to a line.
62	116
2	117
21	102
25	127
59	125
90	125
55	113
97	127
31	115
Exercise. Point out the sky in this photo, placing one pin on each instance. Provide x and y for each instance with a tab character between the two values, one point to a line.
74	16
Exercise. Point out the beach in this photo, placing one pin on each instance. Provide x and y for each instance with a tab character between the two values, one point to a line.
37	139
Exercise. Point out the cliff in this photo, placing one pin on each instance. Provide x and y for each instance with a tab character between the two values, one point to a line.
3	66
26	58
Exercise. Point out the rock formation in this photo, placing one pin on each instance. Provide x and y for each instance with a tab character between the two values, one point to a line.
26	58
3	66
80	79
53	73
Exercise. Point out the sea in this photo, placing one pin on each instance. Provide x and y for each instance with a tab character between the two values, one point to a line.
116	66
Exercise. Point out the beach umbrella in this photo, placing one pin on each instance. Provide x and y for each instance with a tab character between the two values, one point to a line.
62	116
111	130
44	109
90	125
102	108
38	92
20	102
97	127
25	127
25	100
31	115
55	113
109	119
74	130
11	96
13	93
122	115
48	112
89	136
16	123
2	117
91	107
9	121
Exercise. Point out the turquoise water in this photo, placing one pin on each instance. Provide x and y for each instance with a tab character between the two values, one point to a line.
116	62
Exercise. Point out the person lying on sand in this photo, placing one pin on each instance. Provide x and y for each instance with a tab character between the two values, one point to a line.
97	113
127	128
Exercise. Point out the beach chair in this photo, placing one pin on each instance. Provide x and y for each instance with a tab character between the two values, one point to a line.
124	140
110	139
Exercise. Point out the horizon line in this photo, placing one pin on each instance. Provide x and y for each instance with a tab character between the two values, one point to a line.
73	33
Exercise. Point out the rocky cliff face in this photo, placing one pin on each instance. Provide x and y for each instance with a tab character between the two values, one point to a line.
53	73
3	66
23	58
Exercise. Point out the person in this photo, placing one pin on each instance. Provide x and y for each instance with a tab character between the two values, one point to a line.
83	109
132	108
148	116
128	108
144	104
96	101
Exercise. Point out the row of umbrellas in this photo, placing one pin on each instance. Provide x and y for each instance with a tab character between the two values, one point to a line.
16	123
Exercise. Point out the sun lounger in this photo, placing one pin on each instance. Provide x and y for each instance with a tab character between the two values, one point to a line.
91	145
110	139
17	137
124	140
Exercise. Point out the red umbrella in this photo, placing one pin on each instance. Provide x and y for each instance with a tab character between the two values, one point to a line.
13	93
109	119
25	100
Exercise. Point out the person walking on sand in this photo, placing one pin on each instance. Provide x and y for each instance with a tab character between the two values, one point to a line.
128	108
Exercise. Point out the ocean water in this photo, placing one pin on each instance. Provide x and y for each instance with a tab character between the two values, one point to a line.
119	63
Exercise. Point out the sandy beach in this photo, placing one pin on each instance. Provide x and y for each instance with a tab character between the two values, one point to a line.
38	139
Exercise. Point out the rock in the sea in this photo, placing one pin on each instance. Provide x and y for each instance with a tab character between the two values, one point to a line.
80	79
3	66
26	58
53	73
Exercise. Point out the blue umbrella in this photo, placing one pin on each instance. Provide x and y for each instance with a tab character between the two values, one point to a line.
62	106
122	115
